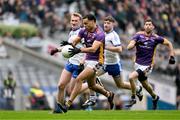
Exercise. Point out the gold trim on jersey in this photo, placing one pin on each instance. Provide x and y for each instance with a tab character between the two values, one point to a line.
101	54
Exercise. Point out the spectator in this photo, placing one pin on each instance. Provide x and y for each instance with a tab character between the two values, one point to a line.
9	85
37	98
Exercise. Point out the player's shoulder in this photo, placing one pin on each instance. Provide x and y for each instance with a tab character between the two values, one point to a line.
156	35
82	29
114	34
140	33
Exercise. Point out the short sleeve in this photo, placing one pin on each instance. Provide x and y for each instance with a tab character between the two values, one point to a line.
159	39
81	33
135	37
116	40
100	37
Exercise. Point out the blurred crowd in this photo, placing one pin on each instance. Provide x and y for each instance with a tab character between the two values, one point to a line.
129	14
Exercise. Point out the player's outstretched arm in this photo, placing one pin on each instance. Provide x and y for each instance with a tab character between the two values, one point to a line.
131	44
172	54
55	50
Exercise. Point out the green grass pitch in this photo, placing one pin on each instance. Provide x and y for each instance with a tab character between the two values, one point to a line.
92	115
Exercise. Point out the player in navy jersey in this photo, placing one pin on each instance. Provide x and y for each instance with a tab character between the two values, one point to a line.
145	43
94	39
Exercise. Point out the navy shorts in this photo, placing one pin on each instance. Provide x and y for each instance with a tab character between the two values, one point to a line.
114	69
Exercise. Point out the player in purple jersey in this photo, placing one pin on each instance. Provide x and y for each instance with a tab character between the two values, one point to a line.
112	62
145	43
94	39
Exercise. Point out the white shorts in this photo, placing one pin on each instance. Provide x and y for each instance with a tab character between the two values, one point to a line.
90	63
146	69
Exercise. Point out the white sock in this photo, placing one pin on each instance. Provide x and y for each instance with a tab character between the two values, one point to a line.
93	97
137	88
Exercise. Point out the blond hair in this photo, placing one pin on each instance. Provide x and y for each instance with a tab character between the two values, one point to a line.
77	15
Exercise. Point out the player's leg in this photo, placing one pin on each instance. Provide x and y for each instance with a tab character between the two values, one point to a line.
62	84
77	70
98	88
149	89
77	87
120	83
72	84
89	75
75	73
115	71
91	101
63	81
84	75
126	85
92	98
132	77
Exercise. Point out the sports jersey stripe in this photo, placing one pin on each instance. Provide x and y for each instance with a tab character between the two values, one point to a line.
101	54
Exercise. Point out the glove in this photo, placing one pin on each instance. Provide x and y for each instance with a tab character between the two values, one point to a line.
74	51
172	60
81	68
53	51
63	43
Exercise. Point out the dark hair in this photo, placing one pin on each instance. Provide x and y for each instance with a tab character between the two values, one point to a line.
90	17
109	18
148	20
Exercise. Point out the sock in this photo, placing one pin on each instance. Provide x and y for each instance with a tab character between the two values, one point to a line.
68	103
58	102
154	97
93	97
133	97
137	88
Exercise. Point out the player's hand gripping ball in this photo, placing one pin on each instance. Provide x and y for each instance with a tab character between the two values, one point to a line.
53	51
65	51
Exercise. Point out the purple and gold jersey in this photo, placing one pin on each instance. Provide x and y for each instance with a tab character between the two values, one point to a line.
145	47
89	38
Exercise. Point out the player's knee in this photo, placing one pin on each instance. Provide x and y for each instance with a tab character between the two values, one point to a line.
141	75
144	86
131	78
61	86
120	84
